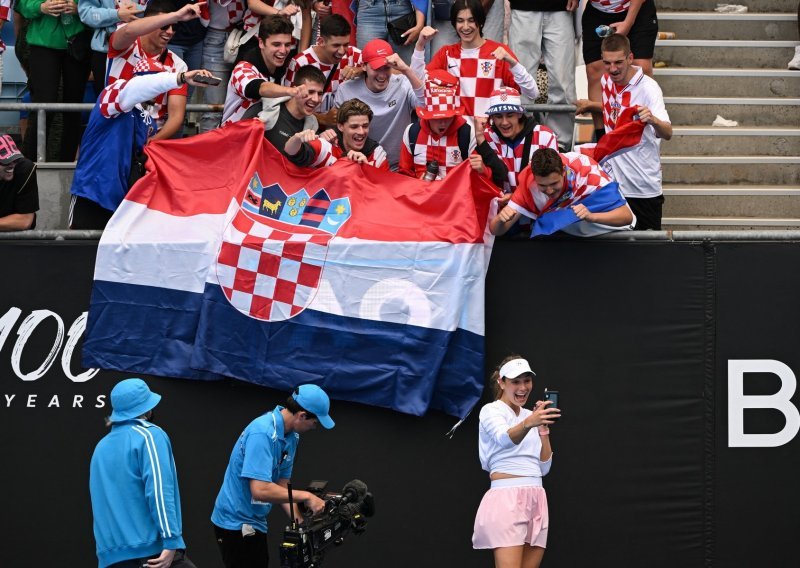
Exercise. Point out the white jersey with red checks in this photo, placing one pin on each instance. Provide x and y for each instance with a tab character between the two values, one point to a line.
123	95
444	149
611	6
121	64
541	137
582	177
326	154
236	102
309	57
638	171
478	73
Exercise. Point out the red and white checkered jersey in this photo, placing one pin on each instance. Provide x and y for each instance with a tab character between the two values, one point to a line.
5	14
611	6
124	94
541	137
444	149
121	64
327	153
582	176
309	57
479	73
236	102
638	171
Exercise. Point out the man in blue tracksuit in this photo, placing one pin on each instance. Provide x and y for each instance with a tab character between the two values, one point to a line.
134	487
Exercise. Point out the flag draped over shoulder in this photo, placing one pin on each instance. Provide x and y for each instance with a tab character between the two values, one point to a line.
227	261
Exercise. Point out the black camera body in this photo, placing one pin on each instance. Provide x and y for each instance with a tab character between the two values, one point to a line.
304	546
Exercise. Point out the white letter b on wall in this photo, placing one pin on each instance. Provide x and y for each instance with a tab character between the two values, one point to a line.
781	400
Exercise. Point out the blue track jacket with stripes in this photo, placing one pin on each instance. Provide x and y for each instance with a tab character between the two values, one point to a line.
134	489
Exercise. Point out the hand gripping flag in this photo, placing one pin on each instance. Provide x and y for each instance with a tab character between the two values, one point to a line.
626	135
227	261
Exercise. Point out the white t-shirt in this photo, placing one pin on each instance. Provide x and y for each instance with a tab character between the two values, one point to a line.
638	171
391	110
496	450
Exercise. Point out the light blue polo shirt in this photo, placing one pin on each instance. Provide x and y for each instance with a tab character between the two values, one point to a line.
262	452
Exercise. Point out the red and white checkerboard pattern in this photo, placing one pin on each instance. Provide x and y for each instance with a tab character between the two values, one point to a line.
351	59
109	99
121	66
269	273
236	102
611	6
327	154
583	177
478	72
541	137
615	100
444	150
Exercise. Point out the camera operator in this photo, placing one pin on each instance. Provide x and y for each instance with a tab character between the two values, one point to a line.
514	447
258	475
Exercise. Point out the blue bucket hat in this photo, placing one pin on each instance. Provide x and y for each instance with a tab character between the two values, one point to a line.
131	398
314	400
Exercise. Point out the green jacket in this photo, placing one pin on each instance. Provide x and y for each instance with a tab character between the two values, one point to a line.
47	31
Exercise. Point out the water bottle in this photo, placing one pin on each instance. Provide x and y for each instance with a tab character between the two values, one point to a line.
431	171
604	31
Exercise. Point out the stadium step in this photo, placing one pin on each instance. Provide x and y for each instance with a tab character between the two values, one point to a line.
728	223
733	170
750	26
724	53
709	5
735	202
701	111
739	141
728	82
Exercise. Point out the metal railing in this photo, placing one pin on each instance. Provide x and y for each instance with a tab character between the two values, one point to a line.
41	110
666	236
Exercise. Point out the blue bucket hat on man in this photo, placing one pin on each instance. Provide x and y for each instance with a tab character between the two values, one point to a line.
314	400
131	398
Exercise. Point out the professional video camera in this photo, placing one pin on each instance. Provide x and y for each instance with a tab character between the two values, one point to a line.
305	545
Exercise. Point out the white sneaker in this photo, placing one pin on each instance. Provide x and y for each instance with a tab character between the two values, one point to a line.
795	62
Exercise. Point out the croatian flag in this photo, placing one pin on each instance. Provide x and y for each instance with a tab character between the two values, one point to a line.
225	260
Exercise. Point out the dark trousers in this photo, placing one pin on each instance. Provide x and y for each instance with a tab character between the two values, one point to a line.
181	561
242	551
86	215
49	69
647	211
99	62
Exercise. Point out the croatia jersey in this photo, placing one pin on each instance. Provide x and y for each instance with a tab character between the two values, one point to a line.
309	57
445	149
326	154
638	170
541	137
121	64
479	73
583	176
611	6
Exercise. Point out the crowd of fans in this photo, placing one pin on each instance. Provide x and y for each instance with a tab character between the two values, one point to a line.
413	98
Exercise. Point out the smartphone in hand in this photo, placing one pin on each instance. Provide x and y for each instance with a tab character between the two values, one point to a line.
207	80
552	395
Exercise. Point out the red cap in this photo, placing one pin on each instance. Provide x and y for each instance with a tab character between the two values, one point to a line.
441	96
375	53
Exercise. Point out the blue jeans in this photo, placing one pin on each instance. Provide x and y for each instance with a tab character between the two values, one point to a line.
192	55
213	49
371	23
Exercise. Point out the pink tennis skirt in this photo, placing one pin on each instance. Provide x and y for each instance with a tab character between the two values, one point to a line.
513	512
